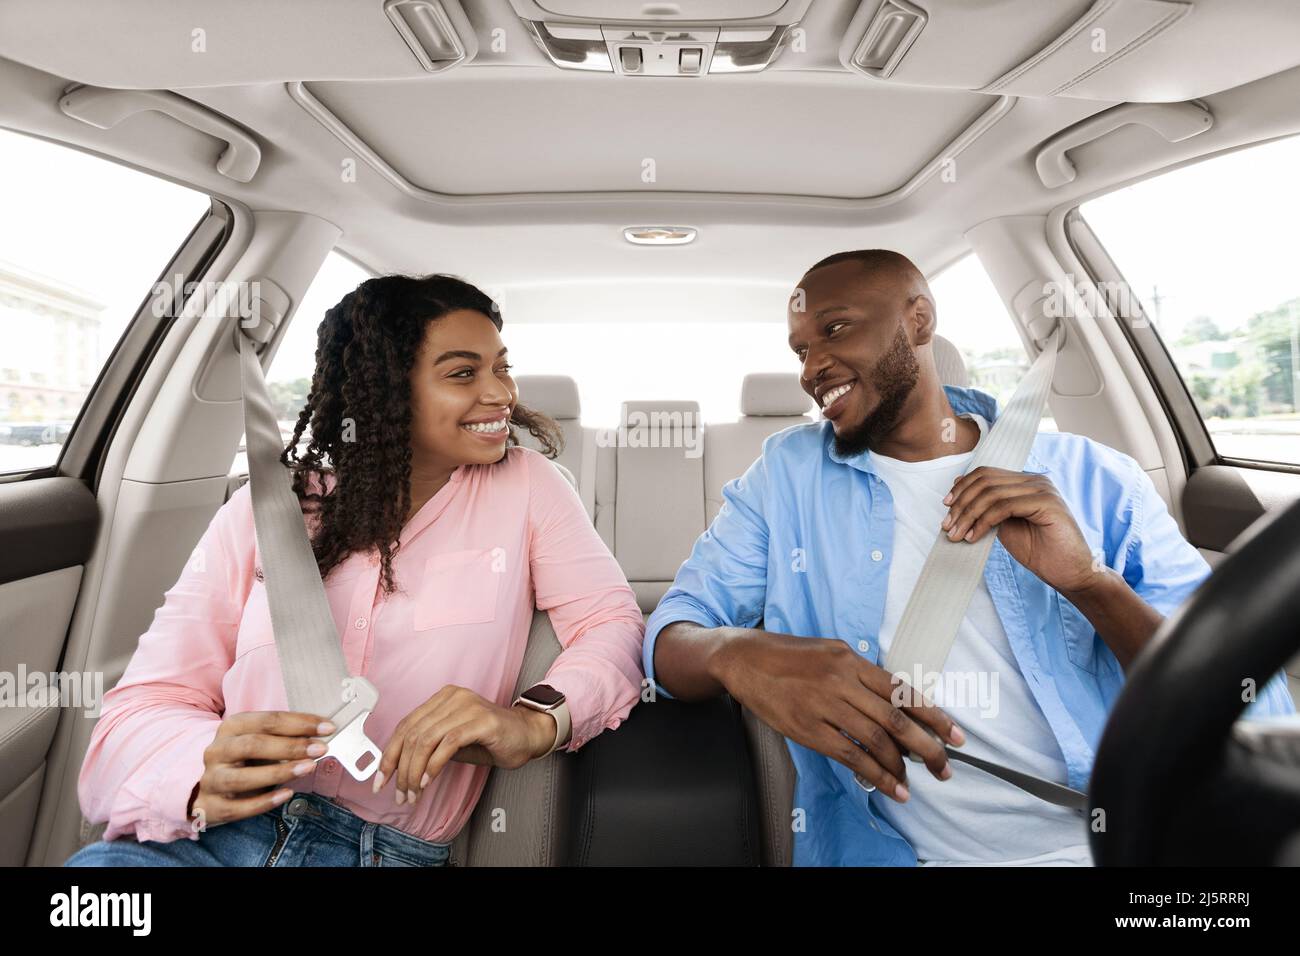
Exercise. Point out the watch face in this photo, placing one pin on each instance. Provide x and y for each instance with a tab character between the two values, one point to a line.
543	694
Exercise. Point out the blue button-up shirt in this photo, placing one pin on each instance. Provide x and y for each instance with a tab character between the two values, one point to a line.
802	545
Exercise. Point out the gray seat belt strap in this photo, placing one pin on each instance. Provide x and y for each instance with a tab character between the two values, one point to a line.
953	570
315	673
1056	793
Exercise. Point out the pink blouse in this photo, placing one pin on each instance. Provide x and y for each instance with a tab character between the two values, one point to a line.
474	560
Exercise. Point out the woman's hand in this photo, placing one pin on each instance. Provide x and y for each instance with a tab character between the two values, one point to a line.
251	755
457	724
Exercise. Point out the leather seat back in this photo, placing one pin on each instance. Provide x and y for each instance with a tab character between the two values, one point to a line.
522	816
557	397
769	402
659	502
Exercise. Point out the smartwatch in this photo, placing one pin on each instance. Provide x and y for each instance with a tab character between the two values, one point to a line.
548	700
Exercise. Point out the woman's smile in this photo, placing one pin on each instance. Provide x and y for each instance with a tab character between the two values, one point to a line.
489	428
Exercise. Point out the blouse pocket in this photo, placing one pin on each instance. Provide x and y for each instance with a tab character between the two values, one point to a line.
459	587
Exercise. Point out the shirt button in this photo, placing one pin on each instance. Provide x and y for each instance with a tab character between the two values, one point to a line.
864	646
360	623
877	555
330	766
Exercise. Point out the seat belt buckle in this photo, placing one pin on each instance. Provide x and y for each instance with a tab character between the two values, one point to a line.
349	743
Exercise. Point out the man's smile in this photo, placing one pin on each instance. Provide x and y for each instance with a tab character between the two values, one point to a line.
834	400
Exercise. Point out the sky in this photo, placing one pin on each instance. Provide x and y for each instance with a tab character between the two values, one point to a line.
104	229
1217	238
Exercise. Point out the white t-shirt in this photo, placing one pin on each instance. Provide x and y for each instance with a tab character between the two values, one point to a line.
972	817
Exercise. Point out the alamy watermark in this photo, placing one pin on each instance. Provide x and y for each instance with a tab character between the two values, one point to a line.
973	690
231	298
82	689
1079	298
90	908
656	429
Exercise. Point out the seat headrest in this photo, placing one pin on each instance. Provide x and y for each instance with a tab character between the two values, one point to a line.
662	424
553	395
949	363
658	415
773	394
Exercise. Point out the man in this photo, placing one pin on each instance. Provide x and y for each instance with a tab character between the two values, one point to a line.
821	542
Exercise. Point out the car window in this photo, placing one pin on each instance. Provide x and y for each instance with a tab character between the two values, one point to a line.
1209	251
614	362
82	242
288	380
972	316
704	360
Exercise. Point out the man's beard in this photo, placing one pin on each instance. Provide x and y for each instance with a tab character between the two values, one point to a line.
893	378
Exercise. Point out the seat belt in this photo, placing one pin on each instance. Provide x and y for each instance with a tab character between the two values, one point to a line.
953	570
315	673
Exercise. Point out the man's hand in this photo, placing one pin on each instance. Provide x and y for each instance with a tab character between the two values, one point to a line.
1032	521
1036	527
457	724
820	694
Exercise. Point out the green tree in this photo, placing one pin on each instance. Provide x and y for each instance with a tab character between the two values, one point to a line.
1271	333
1202	329
1202	387
288	398
1243	387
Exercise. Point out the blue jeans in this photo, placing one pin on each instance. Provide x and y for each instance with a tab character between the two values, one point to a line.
308	830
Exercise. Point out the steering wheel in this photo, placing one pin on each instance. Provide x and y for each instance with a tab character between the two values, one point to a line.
1177	780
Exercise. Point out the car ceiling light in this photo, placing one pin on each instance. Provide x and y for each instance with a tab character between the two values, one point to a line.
660	49
660	235
748	51
573	46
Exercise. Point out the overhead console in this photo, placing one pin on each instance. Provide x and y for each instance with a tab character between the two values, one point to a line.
684	38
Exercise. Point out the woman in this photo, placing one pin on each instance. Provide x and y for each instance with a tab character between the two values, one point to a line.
436	535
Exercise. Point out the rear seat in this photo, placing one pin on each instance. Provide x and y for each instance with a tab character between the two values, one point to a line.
659	493
653	486
557	396
769	402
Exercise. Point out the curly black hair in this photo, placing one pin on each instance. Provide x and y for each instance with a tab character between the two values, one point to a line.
359	412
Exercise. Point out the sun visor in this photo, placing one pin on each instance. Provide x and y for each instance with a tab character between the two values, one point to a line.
1115	50
196	44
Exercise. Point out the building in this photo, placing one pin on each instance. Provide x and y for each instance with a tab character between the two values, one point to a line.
49	346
